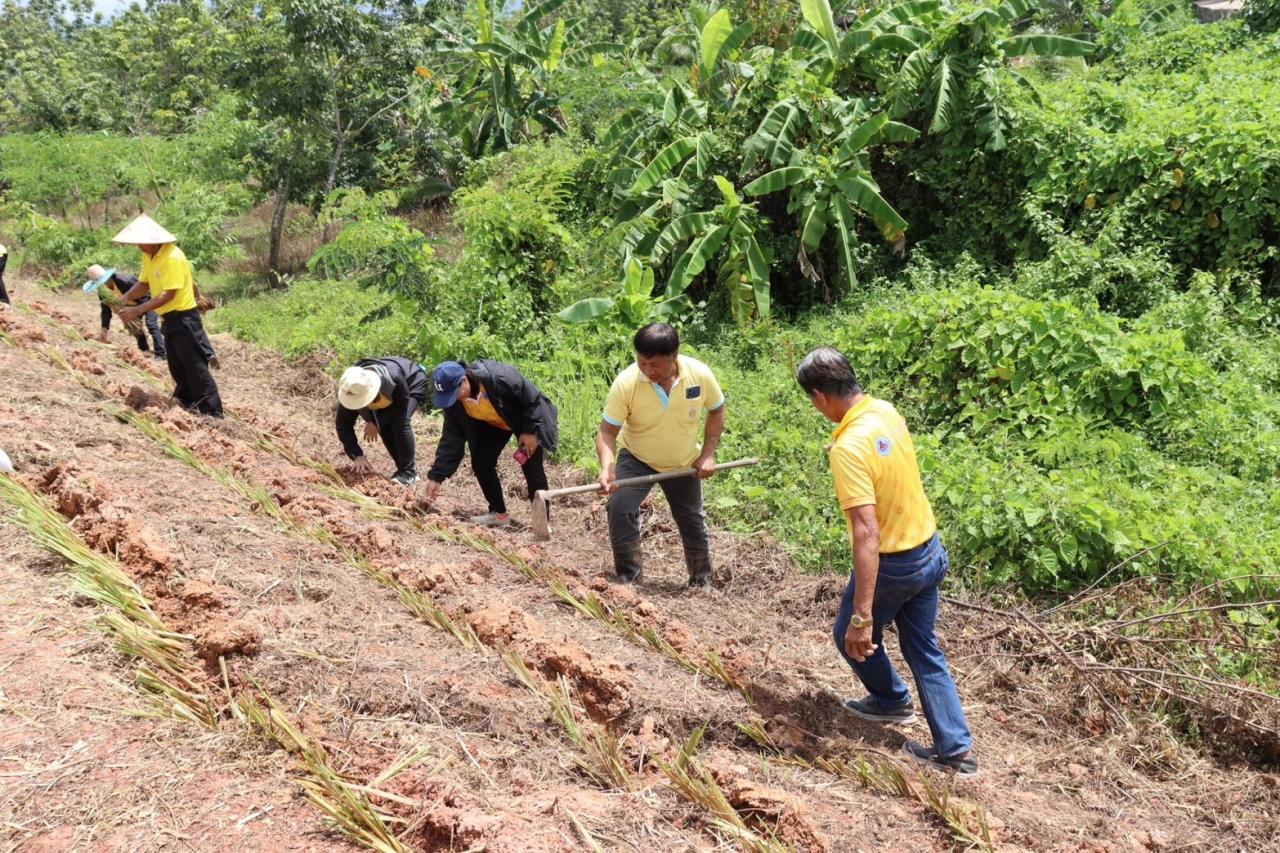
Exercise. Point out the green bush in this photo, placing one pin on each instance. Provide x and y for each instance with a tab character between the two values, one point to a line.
1183	49
1262	16
374	247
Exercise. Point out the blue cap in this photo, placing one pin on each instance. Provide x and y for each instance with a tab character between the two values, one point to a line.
447	379
91	286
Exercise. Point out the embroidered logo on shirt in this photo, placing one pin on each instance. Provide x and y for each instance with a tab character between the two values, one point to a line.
883	446
693	392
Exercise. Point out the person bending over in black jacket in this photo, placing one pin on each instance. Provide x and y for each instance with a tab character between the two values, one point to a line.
484	404
385	392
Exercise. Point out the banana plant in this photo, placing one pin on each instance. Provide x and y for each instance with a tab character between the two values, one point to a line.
828	188
727	232
503	74
954	62
635	304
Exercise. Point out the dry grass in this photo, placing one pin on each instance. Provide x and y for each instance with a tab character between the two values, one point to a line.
168	670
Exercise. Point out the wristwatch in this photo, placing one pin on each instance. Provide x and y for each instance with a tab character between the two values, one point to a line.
856	621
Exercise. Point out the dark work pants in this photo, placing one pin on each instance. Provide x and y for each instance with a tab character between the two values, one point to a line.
486	446
684	495
4	294
397	437
188	366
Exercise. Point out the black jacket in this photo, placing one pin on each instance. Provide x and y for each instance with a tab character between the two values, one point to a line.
516	399
403	381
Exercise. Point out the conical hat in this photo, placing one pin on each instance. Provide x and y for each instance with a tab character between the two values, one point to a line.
144	231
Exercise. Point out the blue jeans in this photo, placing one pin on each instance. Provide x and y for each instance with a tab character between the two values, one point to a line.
907	594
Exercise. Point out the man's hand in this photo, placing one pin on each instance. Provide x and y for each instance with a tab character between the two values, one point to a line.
102	336
857	642
705	467
361	465
370	432
608	480
528	443
127	314
433	491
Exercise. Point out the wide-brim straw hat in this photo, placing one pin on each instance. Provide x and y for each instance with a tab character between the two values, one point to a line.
97	277
144	231
358	387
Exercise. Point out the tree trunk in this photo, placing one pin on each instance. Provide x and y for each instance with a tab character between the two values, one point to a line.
277	230
329	183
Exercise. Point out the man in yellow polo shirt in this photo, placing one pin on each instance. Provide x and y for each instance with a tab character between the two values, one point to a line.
650	425
166	275
898	563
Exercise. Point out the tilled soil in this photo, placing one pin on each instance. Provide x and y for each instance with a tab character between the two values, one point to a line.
385	633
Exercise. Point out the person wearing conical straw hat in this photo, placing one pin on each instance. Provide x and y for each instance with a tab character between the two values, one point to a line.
166	275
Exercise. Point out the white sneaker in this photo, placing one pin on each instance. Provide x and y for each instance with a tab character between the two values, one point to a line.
491	519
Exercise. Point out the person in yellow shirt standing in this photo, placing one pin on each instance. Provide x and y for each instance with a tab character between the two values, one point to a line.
650	425
166	275
898	563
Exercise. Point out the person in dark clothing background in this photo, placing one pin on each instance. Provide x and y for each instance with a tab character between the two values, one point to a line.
111	287
385	392
484	404
4	260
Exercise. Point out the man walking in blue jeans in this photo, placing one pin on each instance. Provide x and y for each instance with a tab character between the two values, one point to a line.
898	563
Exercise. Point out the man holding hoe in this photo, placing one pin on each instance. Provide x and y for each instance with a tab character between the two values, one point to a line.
898	563
650	425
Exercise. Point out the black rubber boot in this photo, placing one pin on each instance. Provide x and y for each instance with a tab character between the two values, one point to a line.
626	562
699	563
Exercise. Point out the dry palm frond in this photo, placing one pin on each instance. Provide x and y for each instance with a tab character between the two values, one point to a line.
599	751
168	669
693	782
341	799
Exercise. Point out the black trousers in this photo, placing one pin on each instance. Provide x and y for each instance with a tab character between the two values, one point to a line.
396	431
188	365
486	446
4	294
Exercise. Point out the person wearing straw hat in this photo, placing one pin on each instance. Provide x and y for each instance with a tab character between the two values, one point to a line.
4	260
385	392
485	403
111	286
166	275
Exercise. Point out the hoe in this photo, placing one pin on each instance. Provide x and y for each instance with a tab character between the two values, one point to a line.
538	522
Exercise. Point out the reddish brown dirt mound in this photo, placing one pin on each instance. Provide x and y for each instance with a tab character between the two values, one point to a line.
223	638
86	361
135	545
139	399
206	595
453	820
21	331
605	687
143	361
777	812
72	493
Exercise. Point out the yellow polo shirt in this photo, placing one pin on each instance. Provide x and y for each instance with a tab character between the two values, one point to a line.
169	269
873	461
660	428
481	409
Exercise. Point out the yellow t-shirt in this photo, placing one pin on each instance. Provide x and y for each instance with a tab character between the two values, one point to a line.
481	409
660	428
169	269
873	461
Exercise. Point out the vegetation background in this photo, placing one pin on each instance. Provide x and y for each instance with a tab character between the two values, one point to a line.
1047	230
